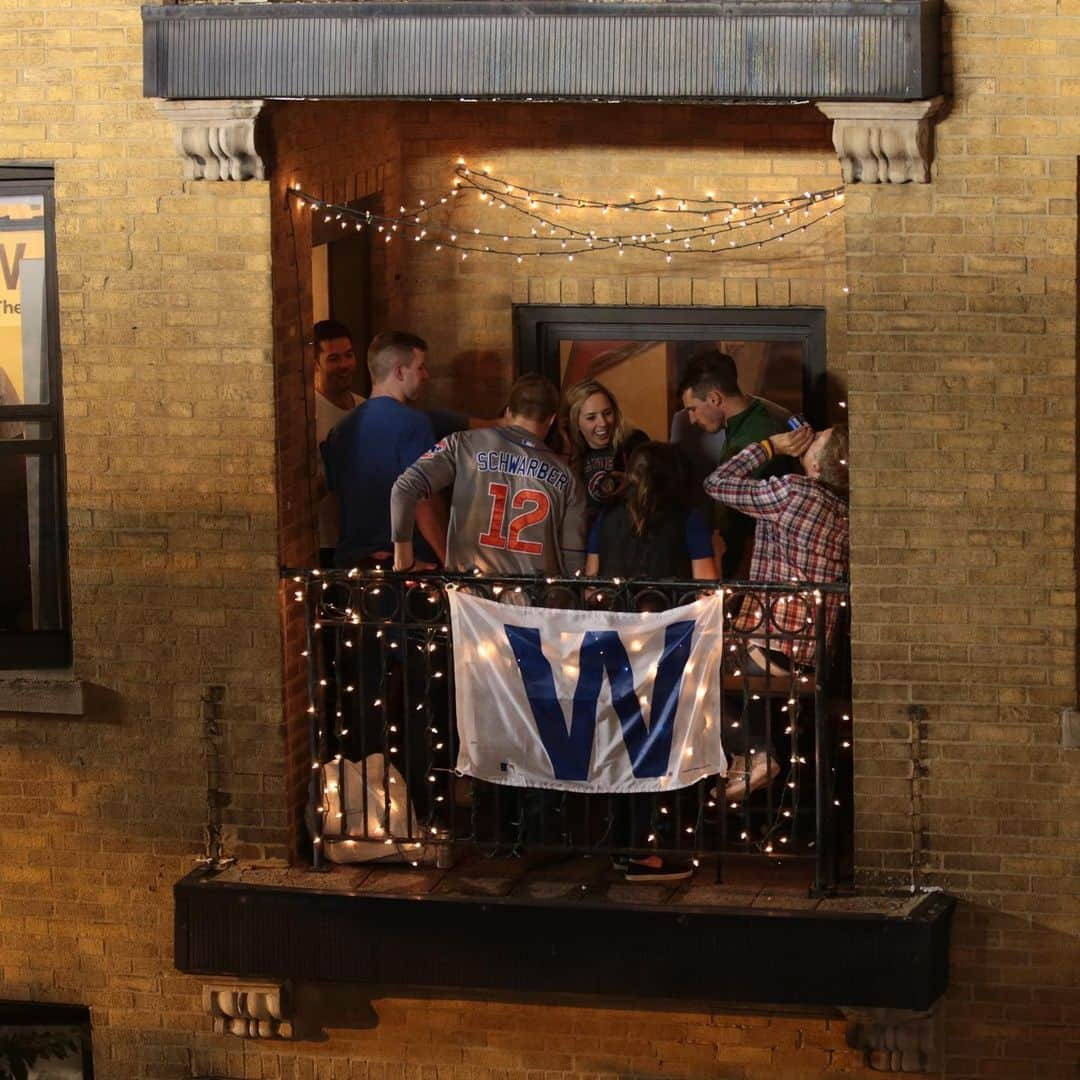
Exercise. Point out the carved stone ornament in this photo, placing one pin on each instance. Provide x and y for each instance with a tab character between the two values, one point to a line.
250	1010
216	139
896	1040
880	142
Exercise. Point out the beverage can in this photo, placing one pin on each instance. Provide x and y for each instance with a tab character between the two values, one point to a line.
795	421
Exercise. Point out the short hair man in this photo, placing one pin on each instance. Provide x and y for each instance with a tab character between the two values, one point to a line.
515	507
714	401
372	446
335	370
802	536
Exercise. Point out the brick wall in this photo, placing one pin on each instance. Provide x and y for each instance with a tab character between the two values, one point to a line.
168	400
962	355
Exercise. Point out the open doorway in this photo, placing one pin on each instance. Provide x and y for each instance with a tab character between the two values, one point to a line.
342	280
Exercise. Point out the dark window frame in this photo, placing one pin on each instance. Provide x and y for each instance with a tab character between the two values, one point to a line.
538	329
43	648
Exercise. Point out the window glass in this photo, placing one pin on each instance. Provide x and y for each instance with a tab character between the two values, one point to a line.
29	544
35	624
644	375
24	375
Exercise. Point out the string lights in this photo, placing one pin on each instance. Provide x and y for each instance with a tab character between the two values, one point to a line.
561	225
343	688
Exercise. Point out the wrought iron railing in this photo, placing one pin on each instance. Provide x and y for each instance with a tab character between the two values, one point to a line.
383	733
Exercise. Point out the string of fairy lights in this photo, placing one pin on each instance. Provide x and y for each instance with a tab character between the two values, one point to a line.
338	699
542	223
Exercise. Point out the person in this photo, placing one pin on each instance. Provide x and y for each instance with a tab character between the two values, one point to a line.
514	507
372	446
600	441
802	536
713	400
651	532
335	370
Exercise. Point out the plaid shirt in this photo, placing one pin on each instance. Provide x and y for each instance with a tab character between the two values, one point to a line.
801	535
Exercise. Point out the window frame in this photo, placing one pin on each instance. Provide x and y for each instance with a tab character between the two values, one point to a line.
538	329
37	649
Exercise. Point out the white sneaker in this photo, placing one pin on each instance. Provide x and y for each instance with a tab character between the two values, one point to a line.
741	783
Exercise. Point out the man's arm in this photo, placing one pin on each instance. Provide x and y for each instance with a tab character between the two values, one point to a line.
432	520
732	485
572	540
411	505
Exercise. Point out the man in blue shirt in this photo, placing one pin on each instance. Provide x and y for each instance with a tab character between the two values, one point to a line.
369	449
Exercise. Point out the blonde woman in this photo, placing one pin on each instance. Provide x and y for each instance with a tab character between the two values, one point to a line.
601	441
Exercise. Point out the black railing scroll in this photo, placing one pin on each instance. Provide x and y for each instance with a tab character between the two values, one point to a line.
383	733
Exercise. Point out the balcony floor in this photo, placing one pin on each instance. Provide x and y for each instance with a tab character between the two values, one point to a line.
534	924
538	879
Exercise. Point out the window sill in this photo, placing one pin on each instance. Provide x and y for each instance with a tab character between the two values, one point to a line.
48	691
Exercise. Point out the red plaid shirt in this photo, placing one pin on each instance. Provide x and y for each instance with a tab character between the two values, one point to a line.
801	536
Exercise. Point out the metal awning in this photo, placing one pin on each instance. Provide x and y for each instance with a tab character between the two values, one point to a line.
563	50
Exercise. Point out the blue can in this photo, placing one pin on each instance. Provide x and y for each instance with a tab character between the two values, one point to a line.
795	421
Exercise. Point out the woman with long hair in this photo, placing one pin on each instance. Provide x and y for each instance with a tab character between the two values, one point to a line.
601	441
651	532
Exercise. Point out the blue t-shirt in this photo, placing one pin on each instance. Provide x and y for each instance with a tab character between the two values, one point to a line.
364	454
698	535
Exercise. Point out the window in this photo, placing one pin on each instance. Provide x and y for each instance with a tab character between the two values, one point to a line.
641	353
35	624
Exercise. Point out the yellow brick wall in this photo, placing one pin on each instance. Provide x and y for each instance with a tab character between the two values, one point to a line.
168	402
962	358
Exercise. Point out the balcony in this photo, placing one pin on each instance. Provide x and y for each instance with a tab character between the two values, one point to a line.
493	887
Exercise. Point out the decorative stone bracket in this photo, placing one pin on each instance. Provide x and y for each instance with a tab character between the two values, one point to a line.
882	142
216	139
250	1010
897	1040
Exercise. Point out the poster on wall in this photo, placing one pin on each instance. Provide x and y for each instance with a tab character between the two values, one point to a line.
23	381
22	276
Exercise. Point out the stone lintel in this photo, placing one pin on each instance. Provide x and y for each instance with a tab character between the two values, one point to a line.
216	139
251	1010
45	691
897	1040
883	142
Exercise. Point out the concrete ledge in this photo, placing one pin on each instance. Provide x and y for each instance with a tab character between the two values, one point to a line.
49	690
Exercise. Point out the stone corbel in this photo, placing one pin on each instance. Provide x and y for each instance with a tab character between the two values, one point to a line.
250	1010
882	142
216	139
896	1040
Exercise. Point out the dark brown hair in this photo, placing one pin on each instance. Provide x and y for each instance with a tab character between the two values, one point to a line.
655	484
710	369
534	397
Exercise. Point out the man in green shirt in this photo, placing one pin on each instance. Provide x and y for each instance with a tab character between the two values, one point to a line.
713	400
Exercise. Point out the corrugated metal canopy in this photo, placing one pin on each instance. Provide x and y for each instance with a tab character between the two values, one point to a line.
568	50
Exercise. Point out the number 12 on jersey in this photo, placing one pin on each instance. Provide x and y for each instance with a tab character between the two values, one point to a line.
535	506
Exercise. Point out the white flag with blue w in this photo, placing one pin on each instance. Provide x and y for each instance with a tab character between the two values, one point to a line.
589	701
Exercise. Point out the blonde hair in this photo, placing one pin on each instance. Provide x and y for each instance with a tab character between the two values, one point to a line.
573	403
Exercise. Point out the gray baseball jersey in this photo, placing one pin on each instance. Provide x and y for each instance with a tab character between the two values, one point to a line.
515	507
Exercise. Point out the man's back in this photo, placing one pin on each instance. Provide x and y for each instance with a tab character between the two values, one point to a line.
364	454
515	507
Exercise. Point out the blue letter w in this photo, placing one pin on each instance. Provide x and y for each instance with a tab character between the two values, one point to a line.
570	752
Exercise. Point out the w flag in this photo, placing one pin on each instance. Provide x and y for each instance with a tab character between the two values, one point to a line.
586	700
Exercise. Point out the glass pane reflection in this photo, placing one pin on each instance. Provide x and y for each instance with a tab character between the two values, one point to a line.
29	544
24	372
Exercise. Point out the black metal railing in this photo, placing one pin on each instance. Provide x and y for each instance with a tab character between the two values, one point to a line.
383	732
